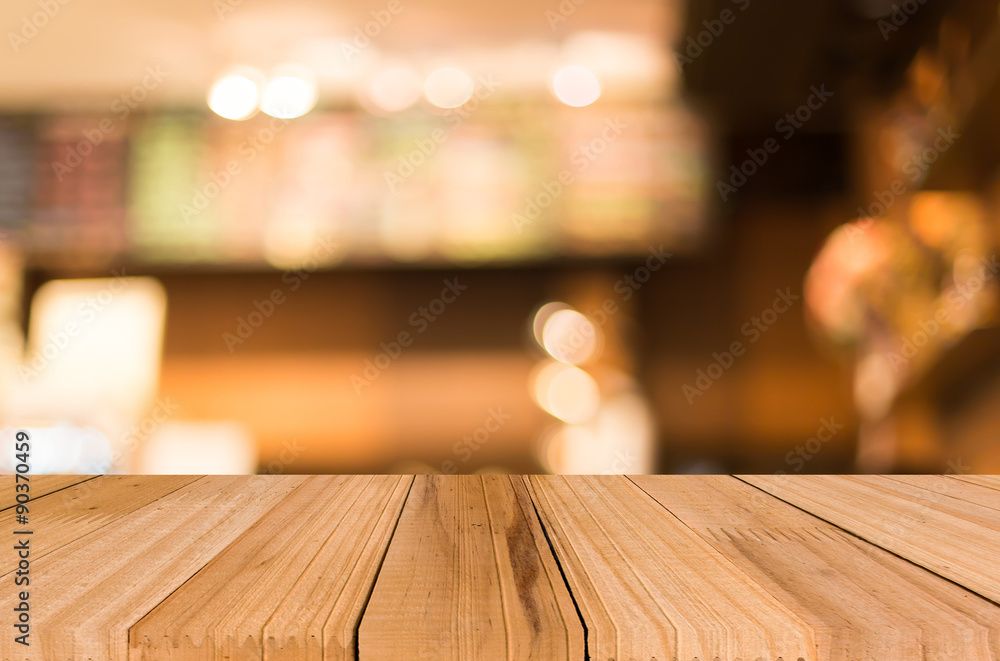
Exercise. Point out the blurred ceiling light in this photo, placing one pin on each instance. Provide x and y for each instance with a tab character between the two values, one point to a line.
289	94
542	315
566	392
448	87
576	86
570	337
395	89
235	95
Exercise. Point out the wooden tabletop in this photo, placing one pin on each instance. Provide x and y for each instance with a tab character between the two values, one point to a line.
665	568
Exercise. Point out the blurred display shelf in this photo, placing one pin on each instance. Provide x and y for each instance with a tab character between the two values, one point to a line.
101	265
501	184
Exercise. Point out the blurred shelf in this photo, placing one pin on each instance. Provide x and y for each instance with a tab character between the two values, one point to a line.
103	265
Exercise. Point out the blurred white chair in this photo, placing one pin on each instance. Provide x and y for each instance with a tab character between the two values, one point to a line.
92	359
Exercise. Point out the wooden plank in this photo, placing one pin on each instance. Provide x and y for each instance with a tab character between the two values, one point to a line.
313	556
73	512
963	499
649	587
41	485
862	602
963	548
87	594
326	603
990	481
469	575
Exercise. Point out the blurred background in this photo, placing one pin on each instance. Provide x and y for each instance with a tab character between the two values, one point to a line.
570	236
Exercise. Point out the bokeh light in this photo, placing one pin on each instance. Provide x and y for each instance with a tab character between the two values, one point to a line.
235	95
289	95
394	89
570	337
576	86
448	87
566	392
542	315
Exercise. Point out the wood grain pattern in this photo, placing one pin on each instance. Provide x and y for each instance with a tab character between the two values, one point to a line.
959	543
312	546
650	588
897	612
41	485
963	499
87	594
664	568
75	511
990	481
469	576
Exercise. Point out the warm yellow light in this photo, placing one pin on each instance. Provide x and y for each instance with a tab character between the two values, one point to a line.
570	337
542	315
395	89
292	93
235	96
448	87
576	86
566	392
565	451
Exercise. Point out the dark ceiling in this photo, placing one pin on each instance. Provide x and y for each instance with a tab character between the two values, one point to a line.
763	63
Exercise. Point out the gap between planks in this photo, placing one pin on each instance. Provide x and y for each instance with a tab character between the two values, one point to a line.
731	529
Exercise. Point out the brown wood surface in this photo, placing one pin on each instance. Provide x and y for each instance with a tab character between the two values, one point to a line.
469	576
955	539
991	481
276	568
39	485
296	549
649	587
897	612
